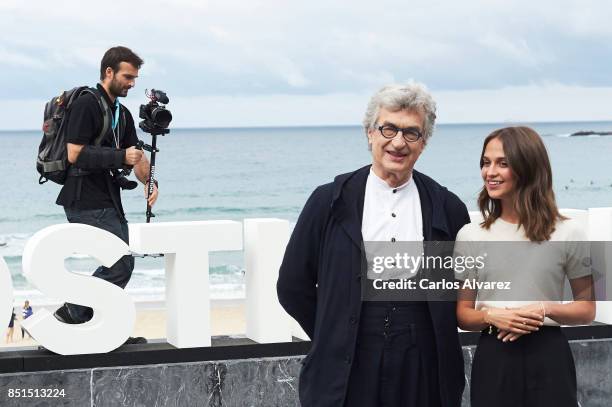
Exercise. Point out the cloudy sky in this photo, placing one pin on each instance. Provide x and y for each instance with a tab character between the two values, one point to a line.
276	63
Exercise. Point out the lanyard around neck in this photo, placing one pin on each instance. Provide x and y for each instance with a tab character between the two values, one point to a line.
116	114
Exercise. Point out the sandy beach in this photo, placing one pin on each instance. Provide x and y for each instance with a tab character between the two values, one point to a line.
227	318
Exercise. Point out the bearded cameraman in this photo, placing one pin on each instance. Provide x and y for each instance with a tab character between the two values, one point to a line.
91	193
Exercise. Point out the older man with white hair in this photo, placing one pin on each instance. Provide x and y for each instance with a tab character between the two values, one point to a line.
375	353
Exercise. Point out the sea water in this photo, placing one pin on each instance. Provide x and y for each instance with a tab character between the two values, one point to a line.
234	174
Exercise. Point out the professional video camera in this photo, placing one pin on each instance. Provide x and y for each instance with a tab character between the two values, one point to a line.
156	117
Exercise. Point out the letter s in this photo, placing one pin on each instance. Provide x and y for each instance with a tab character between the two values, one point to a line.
43	266
480	262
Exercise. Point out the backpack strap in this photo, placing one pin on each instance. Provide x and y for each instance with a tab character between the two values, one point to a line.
106	112
104	108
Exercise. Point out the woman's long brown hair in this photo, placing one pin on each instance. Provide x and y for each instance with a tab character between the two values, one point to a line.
534	200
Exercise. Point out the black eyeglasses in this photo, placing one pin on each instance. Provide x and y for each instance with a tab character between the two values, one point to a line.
410	134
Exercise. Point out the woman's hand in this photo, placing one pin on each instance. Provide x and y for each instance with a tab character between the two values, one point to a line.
538	308
517	321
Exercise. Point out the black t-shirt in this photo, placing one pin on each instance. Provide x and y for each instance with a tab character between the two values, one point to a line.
84	126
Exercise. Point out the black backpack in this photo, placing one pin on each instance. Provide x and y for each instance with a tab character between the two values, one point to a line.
52	161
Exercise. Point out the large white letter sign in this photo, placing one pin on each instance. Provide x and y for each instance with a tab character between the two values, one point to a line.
43	266
265	241
186	246
600	232
6	294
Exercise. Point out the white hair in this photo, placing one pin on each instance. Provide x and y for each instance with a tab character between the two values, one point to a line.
412	96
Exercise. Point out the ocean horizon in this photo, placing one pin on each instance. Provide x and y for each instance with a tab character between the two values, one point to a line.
322	126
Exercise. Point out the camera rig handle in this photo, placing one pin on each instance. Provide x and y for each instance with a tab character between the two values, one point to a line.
141	145
151	181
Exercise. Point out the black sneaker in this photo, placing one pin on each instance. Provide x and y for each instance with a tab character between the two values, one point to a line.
135	340
62	315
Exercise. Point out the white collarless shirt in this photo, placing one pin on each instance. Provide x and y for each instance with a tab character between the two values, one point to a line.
391	214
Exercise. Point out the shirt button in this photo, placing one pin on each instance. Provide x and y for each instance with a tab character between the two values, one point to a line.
394	215
358	277
393	239
353	320
395	190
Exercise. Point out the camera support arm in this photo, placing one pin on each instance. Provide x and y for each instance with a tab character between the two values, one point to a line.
151	179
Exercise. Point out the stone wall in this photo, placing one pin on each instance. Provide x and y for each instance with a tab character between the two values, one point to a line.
270	381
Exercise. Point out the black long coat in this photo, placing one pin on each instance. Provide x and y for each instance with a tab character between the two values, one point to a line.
319	284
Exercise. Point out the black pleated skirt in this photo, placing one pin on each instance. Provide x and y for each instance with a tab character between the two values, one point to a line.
395	363
534	371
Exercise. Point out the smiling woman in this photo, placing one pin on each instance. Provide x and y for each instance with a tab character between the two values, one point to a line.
521	341
496	173
518	182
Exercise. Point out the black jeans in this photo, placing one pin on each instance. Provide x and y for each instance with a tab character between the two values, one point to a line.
396	362
119	273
